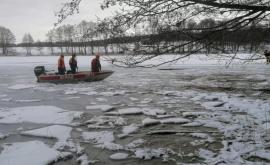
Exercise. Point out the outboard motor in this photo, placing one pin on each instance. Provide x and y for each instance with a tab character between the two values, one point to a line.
39	70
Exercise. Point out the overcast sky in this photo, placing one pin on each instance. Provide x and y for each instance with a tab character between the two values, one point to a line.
37	16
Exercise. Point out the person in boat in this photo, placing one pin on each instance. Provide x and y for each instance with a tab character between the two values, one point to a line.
61	65
95	64
267	56
73	63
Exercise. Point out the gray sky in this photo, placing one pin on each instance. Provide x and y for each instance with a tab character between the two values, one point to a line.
37	16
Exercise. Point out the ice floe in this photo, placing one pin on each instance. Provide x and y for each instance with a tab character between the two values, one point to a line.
6	99
105	121
119	156
148	154
134	144
30	153
59	132
22	86
176	120
84	160
99	137
27	101
149	121
104	108
3	136
102	139
137	111
128	130
38	114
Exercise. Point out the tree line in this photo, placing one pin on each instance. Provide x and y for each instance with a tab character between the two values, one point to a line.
237	16
152	36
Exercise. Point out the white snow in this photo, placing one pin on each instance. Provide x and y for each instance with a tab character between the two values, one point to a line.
38	114
84	160
102	139
147	153
29	153
119	156
99	137
110	146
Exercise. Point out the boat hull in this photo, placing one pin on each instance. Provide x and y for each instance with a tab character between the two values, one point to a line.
86	76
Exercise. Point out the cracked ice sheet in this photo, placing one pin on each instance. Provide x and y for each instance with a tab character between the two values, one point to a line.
257	108
29	153
61	133
38	114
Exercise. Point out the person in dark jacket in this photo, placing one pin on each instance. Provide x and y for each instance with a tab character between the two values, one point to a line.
61	65
73	64
267	56
95	64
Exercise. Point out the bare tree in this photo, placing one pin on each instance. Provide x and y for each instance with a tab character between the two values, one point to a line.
27	42
59	37
50	38
68	34
85	31
39	46
239	15
6	39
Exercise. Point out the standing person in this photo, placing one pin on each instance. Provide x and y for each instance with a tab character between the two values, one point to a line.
73	64
267	56
95	64
61	65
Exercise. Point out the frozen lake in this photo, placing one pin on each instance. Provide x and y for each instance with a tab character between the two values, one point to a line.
196	114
